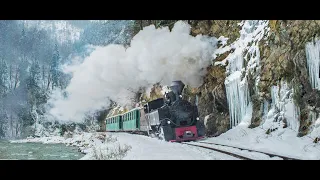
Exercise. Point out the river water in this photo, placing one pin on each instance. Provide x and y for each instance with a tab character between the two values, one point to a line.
37	151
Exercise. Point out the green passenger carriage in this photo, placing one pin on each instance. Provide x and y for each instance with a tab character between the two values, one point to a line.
113	123
129	121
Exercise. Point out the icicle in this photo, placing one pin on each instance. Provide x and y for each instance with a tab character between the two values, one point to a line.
238	98
265	109
313	63
240	106
283	102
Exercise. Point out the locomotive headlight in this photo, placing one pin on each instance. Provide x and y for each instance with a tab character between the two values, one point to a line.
168	122
198	119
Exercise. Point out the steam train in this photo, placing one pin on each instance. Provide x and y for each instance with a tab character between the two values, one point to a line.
170	118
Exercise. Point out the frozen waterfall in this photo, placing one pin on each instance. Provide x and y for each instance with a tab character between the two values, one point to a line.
283	103
313	63
237	92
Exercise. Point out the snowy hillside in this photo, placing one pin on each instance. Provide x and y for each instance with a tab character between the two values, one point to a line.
61	30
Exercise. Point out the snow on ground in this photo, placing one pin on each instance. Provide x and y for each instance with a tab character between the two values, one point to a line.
130	147
283	141
147	148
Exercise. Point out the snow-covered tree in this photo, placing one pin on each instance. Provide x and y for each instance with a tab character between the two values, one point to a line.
54	68
4	77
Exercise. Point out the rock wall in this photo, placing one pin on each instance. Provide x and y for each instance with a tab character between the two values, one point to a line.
285	59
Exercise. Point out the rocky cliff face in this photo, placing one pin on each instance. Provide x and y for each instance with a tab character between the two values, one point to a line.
259	66
282	61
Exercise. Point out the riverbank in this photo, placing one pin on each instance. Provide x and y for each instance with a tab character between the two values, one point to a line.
96	145
37	151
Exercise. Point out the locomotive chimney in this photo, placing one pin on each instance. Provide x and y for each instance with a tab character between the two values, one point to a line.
177	87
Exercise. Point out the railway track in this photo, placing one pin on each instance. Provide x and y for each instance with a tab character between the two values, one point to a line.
251	150
235	154
219	150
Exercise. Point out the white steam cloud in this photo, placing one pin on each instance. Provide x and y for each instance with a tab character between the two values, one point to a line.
155	55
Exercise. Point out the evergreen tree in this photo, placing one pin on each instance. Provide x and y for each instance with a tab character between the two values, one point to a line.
4	77
34	78
23	63
54	68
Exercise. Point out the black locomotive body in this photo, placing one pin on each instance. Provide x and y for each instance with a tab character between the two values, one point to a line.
172	118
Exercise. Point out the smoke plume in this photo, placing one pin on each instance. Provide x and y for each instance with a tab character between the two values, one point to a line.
115	72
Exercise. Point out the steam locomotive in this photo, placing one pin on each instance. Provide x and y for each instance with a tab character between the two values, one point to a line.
170	118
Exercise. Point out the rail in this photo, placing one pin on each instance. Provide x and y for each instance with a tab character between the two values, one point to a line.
251	150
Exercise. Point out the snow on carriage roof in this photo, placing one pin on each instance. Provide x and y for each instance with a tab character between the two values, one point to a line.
137	108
